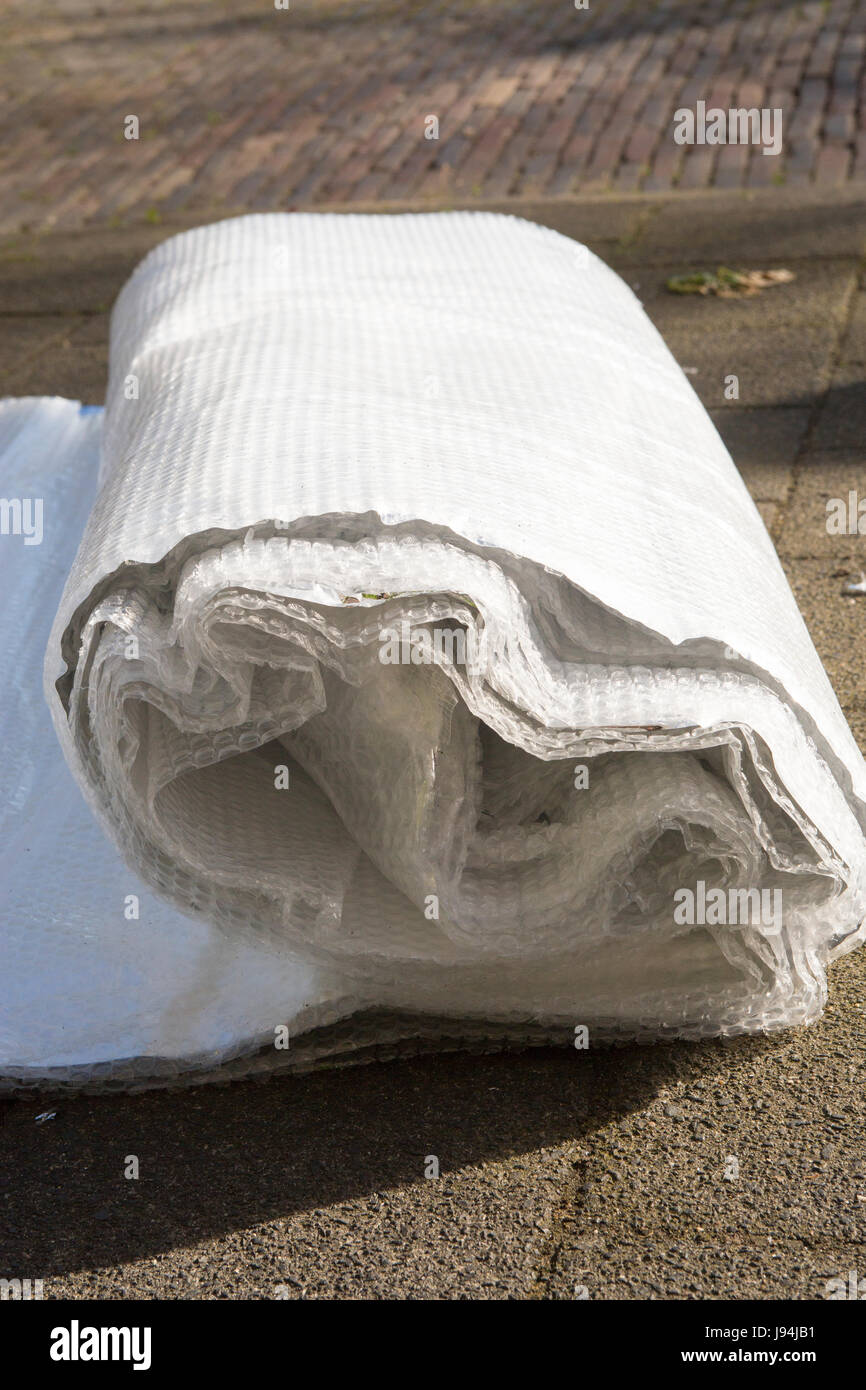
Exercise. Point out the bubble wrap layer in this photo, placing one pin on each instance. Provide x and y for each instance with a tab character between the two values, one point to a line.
421	648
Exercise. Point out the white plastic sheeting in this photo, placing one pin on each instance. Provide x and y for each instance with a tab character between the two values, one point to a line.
426	657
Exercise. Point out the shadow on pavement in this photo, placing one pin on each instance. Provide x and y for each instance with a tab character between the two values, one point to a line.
217	1159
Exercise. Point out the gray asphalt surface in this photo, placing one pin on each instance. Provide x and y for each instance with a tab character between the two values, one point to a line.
560	1170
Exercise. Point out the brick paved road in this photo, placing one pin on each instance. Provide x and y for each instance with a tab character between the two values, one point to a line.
241	105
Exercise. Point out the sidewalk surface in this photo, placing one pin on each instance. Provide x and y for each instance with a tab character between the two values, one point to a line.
239	103
560	1170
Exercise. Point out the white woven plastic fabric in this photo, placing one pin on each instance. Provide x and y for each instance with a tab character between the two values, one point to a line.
424	656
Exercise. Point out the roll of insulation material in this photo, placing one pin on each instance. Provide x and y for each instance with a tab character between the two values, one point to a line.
424	661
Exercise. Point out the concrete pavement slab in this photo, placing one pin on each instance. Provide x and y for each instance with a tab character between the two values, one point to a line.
819	514
771	224
763	442
842	422
777	344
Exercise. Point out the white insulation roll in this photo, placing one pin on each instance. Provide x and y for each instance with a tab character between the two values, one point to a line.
426	661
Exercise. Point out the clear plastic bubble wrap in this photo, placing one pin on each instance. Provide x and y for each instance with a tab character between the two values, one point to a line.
425	658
